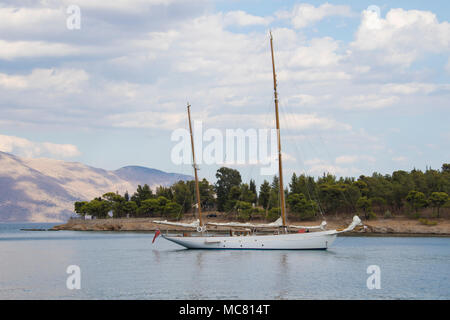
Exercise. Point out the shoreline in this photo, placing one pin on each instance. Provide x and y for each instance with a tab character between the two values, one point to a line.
397	227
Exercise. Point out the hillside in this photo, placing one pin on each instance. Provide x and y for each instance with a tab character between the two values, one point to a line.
42	190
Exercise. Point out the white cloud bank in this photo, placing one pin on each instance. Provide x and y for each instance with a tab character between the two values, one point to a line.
30	149
304	14
402	36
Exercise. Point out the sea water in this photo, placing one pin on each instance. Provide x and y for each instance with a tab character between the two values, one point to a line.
126	265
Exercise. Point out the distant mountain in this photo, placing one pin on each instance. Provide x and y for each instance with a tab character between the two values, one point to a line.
136	174
44	190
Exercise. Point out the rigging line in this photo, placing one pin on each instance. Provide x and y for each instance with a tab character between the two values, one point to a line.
268	106
343	193
328	156
308	187
314	191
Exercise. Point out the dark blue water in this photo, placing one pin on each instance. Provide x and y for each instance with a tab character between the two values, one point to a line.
127	266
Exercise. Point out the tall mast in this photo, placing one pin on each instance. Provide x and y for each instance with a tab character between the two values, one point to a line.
197	190
280	165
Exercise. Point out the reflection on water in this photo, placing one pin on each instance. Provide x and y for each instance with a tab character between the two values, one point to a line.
127	266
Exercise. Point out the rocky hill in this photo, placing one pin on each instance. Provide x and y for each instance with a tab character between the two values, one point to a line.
42	190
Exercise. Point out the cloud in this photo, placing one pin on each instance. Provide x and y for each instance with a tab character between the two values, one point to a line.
31	21
148	119
30	49
241	18
127	6
400	159
409	88
342	165
394	39
369	101
30	149
305	99
304	14
321	52
288	121
134	64
312	121
349	159
65	80
104	24
319	167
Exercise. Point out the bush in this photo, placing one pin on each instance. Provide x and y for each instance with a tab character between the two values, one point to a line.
372	215
258	212
427	222
301	207
387	214
415	215
244	216
174	210
273	214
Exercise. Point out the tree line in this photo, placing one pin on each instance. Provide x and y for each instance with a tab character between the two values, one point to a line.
401	192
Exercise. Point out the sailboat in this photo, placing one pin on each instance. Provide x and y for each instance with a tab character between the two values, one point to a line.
281	240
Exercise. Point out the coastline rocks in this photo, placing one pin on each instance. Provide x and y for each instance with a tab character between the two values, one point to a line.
373	227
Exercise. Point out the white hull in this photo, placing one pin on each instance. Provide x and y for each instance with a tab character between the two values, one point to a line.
294	241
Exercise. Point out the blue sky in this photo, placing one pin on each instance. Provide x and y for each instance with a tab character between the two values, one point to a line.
359	92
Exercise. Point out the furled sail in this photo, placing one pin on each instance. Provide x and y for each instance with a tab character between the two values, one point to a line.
356	222
275	224
193	224
322	226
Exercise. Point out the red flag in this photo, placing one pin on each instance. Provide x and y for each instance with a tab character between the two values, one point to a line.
157	233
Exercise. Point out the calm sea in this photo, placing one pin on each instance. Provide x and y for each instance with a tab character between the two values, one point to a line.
127	266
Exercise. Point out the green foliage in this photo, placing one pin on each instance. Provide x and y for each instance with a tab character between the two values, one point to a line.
160	206
183	195
427	222
416	200
273	214
387	214
129	208
437	200
247	194
173	209
141	194
148	208
264	194
301	207
365	205
384	195
332	196
372	215
80	207
165	192
207	194
97	208
258	213
116	203
253	191
379	203
274	194
244	210
226	179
